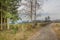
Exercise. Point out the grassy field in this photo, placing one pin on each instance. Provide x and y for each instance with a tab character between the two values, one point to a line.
56	28
20	31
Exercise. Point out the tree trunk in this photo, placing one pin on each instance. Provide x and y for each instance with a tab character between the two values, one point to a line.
1	21
8	24
35	10
4	23
31	9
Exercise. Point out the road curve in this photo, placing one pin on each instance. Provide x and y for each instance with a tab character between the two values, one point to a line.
46	33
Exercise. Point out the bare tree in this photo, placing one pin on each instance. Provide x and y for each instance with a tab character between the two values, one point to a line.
35	5
31	7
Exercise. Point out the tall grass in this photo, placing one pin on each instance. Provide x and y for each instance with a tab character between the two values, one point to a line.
20	31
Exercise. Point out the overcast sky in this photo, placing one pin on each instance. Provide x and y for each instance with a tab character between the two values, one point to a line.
52	8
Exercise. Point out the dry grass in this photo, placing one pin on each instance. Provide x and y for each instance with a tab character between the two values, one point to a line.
6	35
20	31
56	28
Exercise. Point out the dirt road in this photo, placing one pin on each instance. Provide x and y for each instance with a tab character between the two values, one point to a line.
46	33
